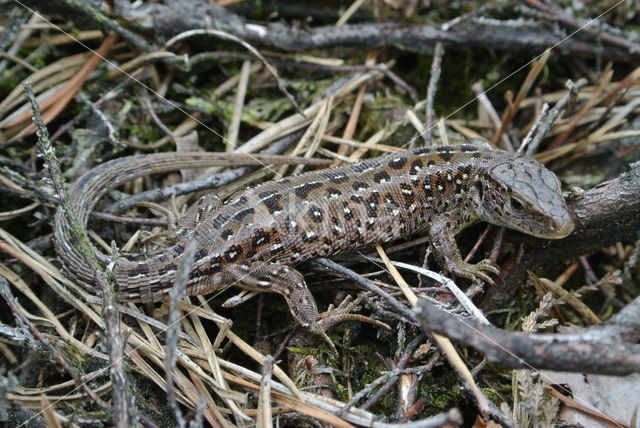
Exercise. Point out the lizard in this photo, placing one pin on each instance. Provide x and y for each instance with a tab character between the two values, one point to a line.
256	238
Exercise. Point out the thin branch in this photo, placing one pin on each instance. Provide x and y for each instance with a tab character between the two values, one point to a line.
528	36
431	92
176	294
547	119
116	339
597	349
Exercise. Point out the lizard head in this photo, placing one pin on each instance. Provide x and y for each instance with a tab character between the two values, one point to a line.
522	194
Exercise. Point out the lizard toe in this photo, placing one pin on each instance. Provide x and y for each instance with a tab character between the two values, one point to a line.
342	313
488	266
484	277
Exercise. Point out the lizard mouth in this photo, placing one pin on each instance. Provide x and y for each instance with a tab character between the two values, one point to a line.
563	229
556	230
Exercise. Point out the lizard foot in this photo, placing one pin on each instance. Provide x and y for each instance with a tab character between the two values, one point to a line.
479	270
333	316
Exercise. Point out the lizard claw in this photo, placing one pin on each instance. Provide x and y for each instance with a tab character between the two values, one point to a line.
333	316
479	270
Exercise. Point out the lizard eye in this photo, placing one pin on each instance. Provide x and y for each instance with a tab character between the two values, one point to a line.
516	204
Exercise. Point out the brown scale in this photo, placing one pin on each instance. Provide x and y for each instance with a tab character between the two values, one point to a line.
254	240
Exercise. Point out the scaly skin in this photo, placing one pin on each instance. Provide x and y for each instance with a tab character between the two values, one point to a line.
254	240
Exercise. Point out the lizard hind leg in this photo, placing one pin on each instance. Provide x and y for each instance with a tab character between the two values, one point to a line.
277	278
200	210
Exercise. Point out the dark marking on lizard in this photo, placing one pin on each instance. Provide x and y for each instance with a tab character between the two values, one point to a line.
358	186
398	163
303	190
381	177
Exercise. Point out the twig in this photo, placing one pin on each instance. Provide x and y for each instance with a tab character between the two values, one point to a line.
630	314
547	118
590	103
54	173
152	113
445	345
166	19
632	261
109	95
431	92
366	284
111	131
497	244
115	341
176	294
513	107
264	418
593	350
389	378
105	21
568	297
558	14
12	26
402	362
485	103
479	242
241	92
382	68
451	285
18	61
571	403
527	145
479	11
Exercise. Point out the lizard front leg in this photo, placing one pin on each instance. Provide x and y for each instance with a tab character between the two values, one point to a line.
441	233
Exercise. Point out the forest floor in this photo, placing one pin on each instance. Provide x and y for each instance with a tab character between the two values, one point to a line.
553	342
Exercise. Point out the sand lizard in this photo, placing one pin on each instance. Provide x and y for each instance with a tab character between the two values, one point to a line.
255	239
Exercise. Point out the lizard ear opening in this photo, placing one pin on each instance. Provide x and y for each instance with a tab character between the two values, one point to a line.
480	190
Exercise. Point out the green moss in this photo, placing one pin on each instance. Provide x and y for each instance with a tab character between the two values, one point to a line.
8	81
209	106
441	392
144	132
